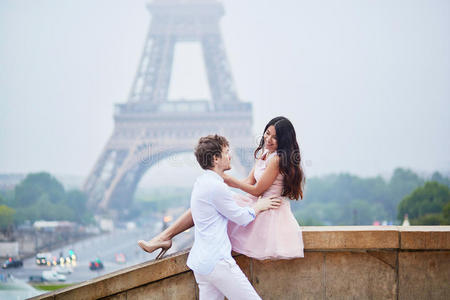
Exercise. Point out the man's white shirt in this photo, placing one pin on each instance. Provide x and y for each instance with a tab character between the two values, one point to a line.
212	205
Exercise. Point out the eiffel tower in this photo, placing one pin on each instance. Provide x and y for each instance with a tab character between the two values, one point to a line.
148	127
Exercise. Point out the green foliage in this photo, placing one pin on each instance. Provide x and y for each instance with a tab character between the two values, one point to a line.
44	209
6	217
428	219
345	199
446	213
440	179
426	205
76	200
338	199
7	197
342	199
307	220
402	183
40	196
364	212
34	185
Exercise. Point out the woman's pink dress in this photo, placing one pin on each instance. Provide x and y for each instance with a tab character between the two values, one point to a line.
275	233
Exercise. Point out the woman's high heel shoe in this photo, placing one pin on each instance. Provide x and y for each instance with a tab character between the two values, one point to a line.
154	245
161	254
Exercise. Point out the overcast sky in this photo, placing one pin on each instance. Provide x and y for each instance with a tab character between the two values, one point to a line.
365	83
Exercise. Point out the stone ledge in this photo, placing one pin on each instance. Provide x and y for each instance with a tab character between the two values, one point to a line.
374	240
350	237
425	237
125	279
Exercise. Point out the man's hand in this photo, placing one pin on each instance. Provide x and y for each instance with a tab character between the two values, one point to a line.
266	203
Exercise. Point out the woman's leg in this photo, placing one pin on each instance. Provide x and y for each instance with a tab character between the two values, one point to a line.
183	223
164	239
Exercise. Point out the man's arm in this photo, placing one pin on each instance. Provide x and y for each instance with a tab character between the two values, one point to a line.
225	204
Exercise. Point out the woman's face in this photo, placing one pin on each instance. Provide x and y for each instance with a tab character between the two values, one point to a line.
270	139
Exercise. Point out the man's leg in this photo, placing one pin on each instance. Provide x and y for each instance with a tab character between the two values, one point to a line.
232	282
206	289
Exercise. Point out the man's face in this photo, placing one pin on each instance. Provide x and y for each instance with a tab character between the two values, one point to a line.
224	162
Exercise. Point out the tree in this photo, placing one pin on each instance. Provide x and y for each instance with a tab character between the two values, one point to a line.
441	179
6	217
46	210
345	199
402	183
7	197
446	213
34	185
76	200
426	205
40	196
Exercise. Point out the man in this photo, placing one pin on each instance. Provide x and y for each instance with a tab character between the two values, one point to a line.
212	205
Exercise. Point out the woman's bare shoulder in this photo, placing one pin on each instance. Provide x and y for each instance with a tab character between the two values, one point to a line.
274	160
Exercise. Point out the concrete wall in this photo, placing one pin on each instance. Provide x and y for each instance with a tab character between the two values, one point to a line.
341	262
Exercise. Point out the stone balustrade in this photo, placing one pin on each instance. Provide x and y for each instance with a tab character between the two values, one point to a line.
341	262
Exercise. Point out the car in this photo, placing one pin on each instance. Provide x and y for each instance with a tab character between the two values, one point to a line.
120	258
12	263
43	259
63	269
53	276
36	278
96	265
72	255
69	259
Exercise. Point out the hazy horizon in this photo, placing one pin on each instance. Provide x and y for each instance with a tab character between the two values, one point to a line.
366	84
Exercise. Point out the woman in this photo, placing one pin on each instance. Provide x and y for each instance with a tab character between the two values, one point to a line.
274	234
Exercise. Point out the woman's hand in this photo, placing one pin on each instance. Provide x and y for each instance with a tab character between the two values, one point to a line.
230	181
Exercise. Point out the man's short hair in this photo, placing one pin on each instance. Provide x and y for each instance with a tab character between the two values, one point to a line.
209	147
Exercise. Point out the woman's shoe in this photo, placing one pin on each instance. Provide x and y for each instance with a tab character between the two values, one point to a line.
161	254
154	245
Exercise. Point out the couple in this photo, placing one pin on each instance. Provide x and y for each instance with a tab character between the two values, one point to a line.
259	225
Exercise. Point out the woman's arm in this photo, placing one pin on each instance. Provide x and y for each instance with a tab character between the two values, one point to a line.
266	180
250	178
184	222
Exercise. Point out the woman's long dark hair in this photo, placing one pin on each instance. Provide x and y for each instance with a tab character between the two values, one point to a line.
290	160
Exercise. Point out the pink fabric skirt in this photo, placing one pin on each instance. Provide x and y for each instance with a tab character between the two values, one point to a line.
274	234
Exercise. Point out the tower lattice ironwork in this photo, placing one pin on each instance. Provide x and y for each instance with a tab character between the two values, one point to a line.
148	127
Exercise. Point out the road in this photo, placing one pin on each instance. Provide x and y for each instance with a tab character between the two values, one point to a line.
104	247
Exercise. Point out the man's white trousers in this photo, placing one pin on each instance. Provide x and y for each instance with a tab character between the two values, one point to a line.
227	279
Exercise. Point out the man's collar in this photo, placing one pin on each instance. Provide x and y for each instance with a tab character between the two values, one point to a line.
212	173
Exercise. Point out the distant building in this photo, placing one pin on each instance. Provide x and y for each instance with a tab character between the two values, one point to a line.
55	226
106	225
